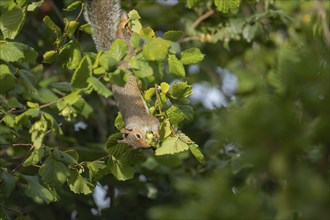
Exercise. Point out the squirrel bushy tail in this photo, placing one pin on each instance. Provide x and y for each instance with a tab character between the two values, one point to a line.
104	17
108	22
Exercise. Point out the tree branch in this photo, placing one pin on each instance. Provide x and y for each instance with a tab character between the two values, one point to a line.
203	17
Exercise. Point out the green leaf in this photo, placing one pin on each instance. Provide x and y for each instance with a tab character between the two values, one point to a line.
112	141
118	49
70	28
99	71
35	157
148	33
74	5
149	94
52	26
165	129
86	28
34	5
7	79
133	14
32	104
82	73
176	66
173	35
25	116
156	49
7	183
134	23
74	157
64	157
171	145
62	86
195	150
108	62
180	90
30	55
118	151
9	120
119	77
51	122
38	132
54	172
72	98
28	80
136	41
10	52
38	192
99	87
11	22
96	169
121	169
7	4
191	56
79	184
119	122
226	6
164	87
180	113
144	70
192	3
49	56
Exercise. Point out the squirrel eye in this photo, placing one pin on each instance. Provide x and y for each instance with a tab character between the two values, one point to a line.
138	136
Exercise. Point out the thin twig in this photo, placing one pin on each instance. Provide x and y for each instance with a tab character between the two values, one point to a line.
203	17
10	209
187	39
49	104
80	12
21	163
15	145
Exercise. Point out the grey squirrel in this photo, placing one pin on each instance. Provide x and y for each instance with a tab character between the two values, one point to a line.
109	22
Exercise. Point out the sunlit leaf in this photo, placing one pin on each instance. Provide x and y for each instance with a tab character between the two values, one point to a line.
99	87
191	56
171	145
176	66
156	50
226	6
79	184
82	73
11	22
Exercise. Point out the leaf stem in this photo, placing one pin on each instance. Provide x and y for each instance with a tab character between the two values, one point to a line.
21	163
158	99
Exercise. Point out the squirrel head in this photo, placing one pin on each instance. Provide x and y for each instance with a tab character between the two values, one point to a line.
137	138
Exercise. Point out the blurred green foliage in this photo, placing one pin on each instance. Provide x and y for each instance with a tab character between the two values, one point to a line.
266	153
